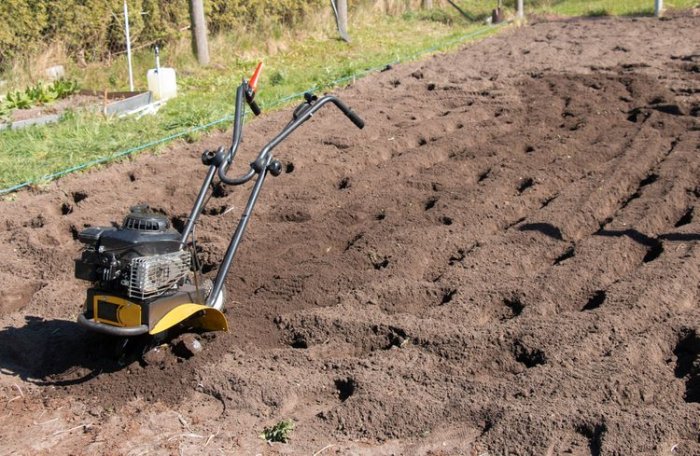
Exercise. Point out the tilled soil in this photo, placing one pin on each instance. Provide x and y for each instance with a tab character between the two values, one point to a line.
504	261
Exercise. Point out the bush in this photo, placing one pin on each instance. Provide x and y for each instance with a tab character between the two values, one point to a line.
23	23
229	14
93	29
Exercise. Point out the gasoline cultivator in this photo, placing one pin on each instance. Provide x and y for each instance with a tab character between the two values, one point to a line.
145	275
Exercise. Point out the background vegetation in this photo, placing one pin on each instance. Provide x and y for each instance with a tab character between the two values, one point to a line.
297	39
91	30
94	29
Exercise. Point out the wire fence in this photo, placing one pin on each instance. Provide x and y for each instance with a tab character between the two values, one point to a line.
276	103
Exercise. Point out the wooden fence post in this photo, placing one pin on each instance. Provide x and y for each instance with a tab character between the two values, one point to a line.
340	9
427	4
521	9
199	31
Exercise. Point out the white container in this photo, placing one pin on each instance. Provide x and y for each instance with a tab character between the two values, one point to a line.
55	72
162	83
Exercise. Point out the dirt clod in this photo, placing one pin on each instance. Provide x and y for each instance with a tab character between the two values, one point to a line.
187	345
156	355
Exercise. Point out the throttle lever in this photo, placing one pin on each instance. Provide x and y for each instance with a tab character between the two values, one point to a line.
310	97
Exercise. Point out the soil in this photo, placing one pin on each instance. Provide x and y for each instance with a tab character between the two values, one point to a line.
504	261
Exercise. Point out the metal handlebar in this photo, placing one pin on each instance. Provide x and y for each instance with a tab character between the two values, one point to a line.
221	160
310	107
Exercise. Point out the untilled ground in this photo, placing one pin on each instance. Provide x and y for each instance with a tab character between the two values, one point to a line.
504	261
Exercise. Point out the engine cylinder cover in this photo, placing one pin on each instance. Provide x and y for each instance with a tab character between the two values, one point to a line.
141	259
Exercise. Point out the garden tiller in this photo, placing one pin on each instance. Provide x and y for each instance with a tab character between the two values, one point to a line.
145	274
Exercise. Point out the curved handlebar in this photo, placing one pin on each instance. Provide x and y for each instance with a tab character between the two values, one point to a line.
237	129
262	159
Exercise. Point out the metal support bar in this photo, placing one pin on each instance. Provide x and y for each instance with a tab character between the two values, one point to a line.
197	209
237	236
340	8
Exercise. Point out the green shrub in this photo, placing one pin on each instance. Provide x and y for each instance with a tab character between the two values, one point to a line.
229	14
23	23
93	29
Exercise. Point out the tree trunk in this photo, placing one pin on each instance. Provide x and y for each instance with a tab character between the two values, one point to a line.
199	32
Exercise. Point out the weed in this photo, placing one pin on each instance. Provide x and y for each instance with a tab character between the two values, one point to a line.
279	432
598	13
277	78
38	94
16	100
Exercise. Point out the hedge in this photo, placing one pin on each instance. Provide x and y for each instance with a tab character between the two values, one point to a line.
92	29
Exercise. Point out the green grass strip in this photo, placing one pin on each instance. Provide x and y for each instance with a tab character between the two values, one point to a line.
273	104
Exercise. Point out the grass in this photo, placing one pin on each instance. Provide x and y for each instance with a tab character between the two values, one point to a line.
296	60
610	7
578	7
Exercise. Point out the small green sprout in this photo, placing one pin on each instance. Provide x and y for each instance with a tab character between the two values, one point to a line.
279	432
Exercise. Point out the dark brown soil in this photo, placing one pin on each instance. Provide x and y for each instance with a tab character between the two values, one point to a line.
504	261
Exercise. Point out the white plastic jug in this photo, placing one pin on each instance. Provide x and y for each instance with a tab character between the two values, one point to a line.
162	83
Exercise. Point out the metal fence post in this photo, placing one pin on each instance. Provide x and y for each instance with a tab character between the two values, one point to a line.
128	46
658	8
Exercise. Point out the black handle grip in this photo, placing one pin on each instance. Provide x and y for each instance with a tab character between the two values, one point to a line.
254	107
355	118
348	112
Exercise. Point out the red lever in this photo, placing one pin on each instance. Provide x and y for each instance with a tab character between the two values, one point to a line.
253	84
